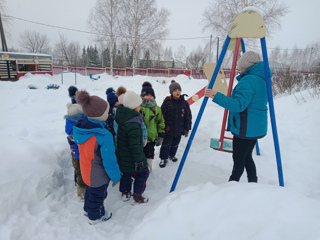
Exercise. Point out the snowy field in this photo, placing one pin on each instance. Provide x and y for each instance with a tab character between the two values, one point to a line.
38	196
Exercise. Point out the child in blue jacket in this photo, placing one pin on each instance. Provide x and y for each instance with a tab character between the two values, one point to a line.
97	155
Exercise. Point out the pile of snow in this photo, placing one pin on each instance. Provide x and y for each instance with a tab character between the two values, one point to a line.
38	196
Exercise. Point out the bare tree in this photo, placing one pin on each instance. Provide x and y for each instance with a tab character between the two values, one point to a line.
103	21
66	52
218	16
168	54
181	54
141	24
34	42
197	58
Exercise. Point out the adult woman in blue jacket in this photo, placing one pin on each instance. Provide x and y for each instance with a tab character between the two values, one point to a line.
248	113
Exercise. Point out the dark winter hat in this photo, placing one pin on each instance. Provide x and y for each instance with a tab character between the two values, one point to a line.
249	59
72	93
147	89
109	90
93	107
112	98
173	86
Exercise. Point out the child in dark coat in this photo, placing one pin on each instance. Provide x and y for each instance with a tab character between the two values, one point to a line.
72	94
97	155
113	102
130	153
177	117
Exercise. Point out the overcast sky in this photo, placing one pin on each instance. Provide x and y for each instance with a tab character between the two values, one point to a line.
299	27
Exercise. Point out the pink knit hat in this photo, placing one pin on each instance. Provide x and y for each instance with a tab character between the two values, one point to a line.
120	98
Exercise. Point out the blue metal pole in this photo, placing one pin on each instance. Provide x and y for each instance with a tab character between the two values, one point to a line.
203	105
243	46
271	109
257	148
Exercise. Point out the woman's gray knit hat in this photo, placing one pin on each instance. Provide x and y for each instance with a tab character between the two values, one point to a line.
249	59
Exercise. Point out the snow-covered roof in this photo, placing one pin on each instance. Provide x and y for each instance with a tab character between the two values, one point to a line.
39	55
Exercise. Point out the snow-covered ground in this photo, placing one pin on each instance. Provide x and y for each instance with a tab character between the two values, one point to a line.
38	196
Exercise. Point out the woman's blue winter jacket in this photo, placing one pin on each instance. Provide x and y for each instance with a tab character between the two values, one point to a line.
248	116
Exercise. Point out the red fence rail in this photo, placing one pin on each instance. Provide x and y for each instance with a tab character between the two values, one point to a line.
154	72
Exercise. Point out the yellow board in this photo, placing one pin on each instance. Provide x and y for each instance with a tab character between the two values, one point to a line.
232	45
220	85
195	98
247	24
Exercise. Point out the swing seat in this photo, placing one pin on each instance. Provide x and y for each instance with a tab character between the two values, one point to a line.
227	145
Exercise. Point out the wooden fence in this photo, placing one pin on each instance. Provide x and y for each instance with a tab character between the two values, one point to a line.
154	72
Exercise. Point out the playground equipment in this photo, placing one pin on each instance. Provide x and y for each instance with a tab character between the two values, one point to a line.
90	75
247	24
220	85
75	76
224	143
31	86
53	86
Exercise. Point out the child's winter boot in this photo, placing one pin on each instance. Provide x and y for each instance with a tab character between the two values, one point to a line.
163	163
126	196
173	159
104	218
149	160
138	198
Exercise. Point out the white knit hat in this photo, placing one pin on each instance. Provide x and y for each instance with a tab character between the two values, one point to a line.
249	59
131	100
73	108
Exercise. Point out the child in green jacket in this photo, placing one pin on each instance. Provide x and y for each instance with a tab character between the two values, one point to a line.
153	119
130	154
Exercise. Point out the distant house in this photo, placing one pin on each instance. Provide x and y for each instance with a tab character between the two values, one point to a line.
14	65
277	67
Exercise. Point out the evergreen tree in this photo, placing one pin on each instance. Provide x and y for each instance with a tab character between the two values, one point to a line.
88	55
146	61
93	56
118	60
84	57
106	57
114	51
128	57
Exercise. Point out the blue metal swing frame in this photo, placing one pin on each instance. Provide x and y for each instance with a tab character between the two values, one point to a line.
205	100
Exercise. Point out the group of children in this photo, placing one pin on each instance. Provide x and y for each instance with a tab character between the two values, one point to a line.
115	140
